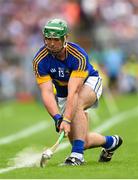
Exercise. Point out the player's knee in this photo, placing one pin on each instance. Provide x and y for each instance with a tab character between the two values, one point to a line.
80	108
81	105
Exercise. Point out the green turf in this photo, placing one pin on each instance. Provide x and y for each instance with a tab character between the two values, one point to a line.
15	116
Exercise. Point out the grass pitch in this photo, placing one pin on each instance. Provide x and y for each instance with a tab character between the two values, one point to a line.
19	150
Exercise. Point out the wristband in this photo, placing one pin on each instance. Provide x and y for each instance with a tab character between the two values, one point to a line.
67	120
57	117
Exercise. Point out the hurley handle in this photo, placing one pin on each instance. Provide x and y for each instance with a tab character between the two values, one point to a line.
54	147
61	137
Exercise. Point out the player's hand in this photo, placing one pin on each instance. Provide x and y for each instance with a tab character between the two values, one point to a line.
65	126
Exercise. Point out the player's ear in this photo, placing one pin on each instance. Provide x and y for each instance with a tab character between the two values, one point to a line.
65	39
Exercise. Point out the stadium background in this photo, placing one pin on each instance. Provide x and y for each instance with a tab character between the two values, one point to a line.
107	29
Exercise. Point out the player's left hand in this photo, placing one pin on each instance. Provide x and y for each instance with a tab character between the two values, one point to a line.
64	126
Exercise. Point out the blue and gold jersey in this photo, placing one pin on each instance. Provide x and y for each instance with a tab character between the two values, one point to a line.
48	67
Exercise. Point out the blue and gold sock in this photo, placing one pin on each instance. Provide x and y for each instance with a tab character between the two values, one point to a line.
77	149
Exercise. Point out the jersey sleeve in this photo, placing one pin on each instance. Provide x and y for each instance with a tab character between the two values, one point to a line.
39	67
79	68
78	62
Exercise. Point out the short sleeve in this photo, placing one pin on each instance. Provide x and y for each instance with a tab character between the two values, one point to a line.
78	62
40	68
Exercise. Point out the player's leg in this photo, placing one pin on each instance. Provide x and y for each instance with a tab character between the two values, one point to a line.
93	139
79	132
109	144
79	126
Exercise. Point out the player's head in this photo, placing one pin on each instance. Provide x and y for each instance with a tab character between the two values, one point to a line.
55	31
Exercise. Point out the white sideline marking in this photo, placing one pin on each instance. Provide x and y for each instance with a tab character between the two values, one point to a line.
29	158
117	119
24	133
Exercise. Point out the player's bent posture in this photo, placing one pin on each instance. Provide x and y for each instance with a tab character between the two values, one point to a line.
78	86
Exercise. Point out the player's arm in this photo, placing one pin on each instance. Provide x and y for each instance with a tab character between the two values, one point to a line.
44	82
74	87
78	75
48	98
50	103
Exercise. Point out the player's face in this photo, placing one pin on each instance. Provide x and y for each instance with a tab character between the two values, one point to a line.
54	45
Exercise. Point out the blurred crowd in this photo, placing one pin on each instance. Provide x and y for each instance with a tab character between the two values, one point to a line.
107	29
